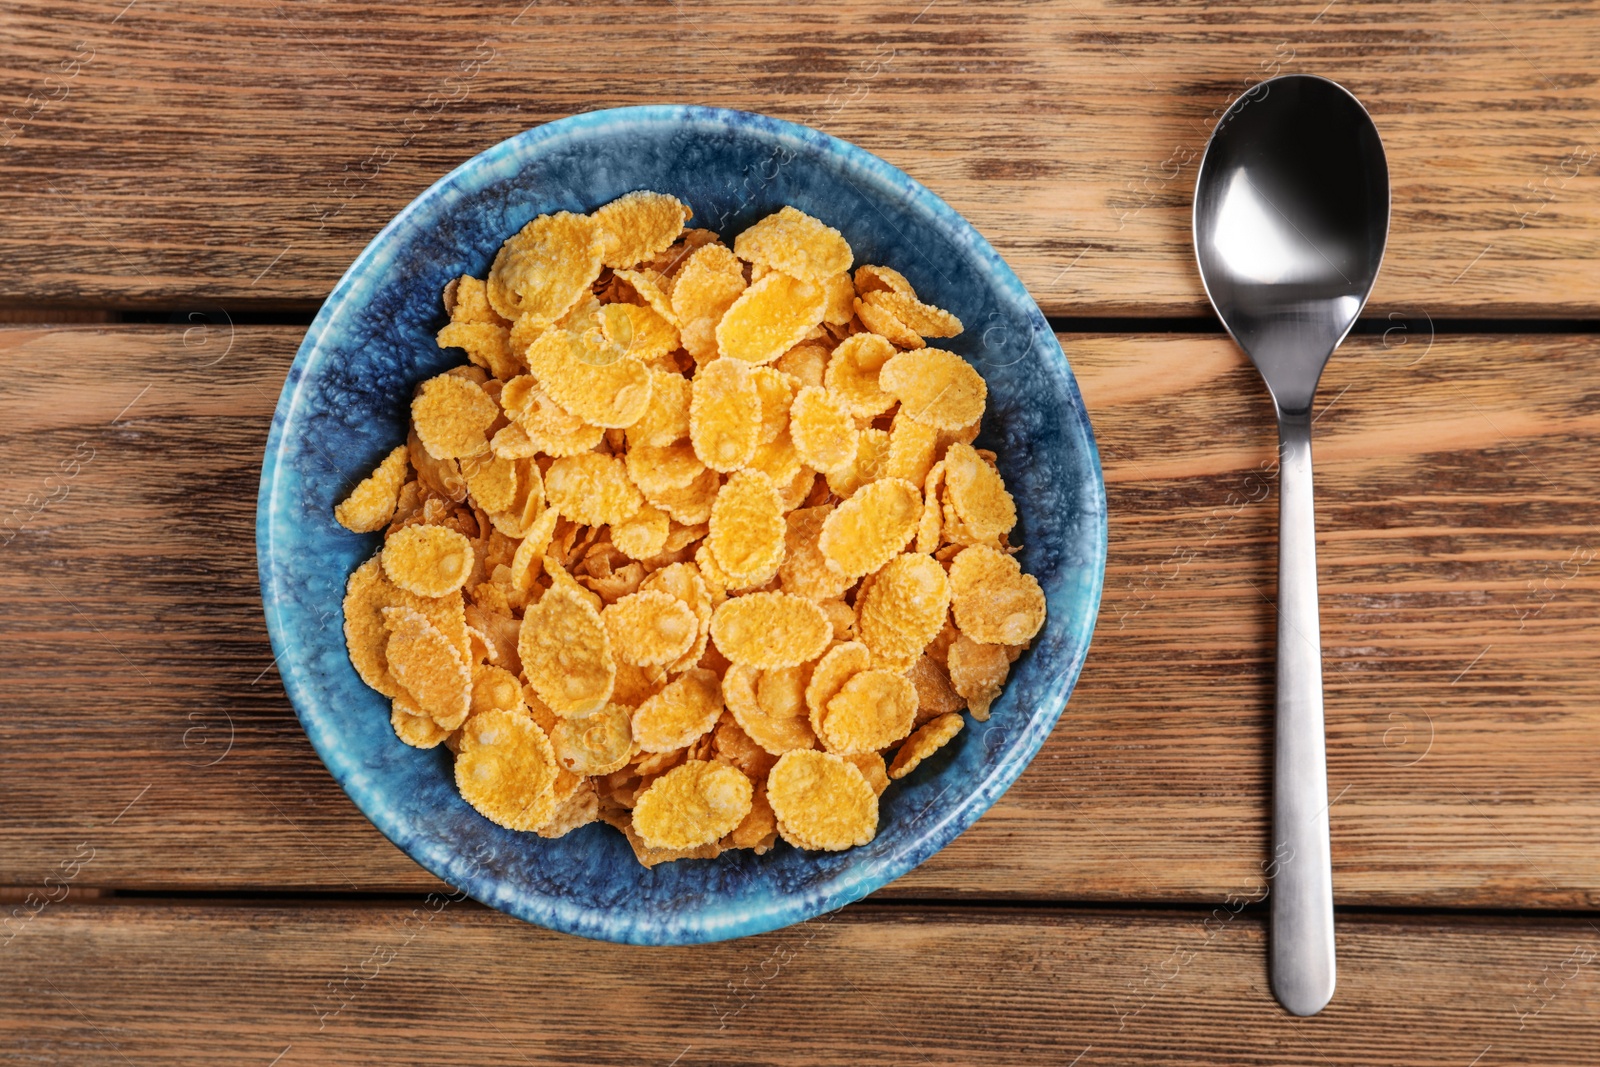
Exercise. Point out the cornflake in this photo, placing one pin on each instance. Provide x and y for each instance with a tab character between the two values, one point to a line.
692	804
936	387
928	739
768	630
992	600
694	542
371	504
747	528
822	801
824	433
430	561
870	529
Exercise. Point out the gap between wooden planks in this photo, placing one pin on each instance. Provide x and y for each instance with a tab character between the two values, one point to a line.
293	983
245	151
1460	598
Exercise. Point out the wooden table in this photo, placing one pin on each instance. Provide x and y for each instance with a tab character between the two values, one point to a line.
181	184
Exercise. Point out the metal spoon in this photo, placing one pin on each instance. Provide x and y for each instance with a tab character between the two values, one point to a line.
1291	212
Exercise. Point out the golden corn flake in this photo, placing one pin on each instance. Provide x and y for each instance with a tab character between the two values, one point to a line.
913	447
466	299
597	743
367	593
874	709
666	418
639	225
931	526
692	804
747	528
759	829
650	628
779	460
582	375
769	707
870	529
767	630
935	693
842	617
639	332
936	387
852	374
929	738
718	580
872	768
824	433
414	726
776	390
871	278
870	464
650	286
591	489
725	415
635	685
880	320
580	808
840	296
769	318
977	671
506	769
496	689
806	363
977	494
992	600
732	745
566	652
451	416
821	801
492	481
923	319
512	442
527	506
486	344
799	488
691	504
371	504
547	267
429	666
682	712
661	469
793	242
643	534
683	581
805	571
427	560
705	287
838	666
904	609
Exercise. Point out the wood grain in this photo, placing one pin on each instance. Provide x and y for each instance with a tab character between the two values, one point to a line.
167	154
194	983
1460	570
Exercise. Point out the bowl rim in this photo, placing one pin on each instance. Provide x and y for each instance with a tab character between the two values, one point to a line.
779	909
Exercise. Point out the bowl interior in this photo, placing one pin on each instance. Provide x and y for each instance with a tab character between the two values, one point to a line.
345	405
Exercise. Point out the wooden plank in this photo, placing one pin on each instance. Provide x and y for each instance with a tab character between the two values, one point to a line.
1460	597
436	982
246	150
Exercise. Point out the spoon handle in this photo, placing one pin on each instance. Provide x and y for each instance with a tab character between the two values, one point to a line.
1302	970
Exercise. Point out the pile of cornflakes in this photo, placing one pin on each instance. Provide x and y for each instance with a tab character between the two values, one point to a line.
696	544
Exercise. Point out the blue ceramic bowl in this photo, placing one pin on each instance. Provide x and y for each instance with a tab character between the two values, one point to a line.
345	405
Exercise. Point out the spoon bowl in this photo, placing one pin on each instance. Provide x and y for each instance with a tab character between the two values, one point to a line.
1291	214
